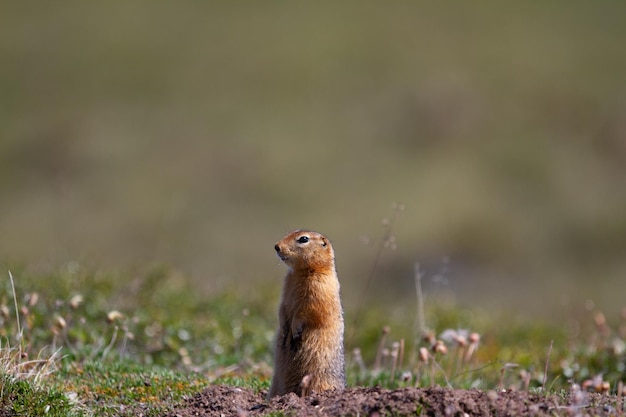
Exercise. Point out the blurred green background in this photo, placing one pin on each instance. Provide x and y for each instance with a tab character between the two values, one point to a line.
199	133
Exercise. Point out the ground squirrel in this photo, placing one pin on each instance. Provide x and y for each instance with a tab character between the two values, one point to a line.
309	354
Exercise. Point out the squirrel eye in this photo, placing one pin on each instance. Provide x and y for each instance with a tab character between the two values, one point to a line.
303	239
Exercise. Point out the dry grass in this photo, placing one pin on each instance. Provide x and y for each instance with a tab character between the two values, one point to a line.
15	362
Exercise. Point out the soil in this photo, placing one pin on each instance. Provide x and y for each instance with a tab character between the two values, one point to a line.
220	400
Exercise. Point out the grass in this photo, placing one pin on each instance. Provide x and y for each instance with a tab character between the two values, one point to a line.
79	347
124	387
24	398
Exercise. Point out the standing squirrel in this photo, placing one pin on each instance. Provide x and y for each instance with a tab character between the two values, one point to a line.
309	354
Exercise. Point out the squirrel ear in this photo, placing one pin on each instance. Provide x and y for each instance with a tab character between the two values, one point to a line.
324	242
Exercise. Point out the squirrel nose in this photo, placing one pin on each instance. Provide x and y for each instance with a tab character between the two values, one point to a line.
277	248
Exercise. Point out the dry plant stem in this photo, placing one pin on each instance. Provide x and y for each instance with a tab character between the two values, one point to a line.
17	313
359	360
370	277
526	381
545	370
419	372
381	348
469	352
124	343
455	363
431	382
394	360
420	319
461	360
108	348
420	315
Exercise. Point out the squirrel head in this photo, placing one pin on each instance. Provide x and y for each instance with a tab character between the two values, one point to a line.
306	250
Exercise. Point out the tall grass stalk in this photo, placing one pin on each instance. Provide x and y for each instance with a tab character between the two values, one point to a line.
17	313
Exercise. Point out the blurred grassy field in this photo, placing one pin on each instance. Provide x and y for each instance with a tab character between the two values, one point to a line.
197	134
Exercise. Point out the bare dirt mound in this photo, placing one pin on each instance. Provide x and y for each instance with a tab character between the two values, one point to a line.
222	400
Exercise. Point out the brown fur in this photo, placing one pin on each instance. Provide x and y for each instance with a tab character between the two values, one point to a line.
309	353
